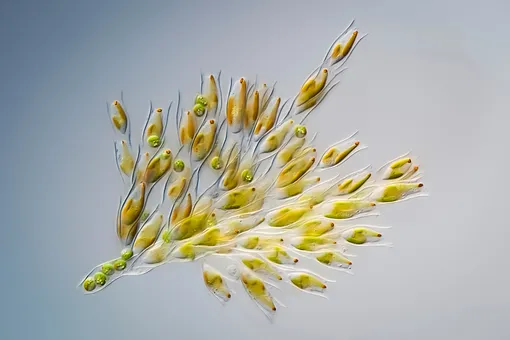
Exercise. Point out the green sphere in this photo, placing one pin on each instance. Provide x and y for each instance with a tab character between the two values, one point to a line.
144	216
216	163
89	284
100	278
126	254
300	131
166	236
247	175
200	100
154	141
120	264
199	110
108	269
179	165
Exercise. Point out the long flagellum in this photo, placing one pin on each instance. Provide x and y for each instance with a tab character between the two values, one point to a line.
268	205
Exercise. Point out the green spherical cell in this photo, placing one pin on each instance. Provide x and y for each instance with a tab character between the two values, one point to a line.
89	284
200	100
144	216
154	141
300	131
199	110
126	254
120	264
100	278
108	269
216	163
166	236
179	165
247	175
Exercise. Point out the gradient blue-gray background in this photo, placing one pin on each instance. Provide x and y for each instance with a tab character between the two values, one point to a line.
432	76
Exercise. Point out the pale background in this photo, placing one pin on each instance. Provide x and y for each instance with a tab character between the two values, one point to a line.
432	76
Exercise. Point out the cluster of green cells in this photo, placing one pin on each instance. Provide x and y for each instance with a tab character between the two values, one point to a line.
107	270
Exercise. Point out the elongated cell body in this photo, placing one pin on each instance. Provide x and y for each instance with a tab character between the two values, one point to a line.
258	291
119	117
216	284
